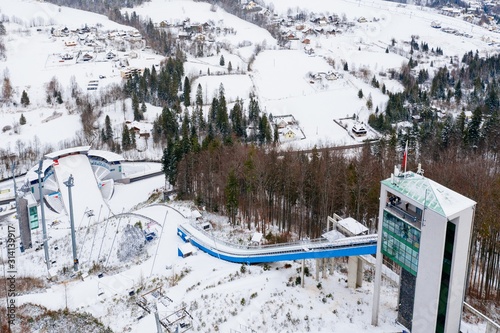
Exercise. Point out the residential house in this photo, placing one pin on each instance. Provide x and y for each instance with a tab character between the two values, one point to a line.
87	57
281	124
359	129
289	135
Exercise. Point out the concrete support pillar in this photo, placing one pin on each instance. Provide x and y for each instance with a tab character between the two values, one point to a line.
359	273
352	271
355	272
331	265
323	264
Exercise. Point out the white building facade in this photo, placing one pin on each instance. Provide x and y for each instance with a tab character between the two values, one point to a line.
425	228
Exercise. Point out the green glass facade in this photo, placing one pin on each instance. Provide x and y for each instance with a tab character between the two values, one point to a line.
400	242
33	217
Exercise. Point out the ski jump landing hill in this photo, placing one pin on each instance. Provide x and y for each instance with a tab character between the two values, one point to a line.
313	249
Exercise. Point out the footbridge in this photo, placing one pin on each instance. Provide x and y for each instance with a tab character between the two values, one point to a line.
248	254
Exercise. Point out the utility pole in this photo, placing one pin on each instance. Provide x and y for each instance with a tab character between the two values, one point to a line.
157	319
69	183
44	227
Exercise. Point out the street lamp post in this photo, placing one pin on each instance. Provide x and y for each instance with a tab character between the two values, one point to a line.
70	183
44	227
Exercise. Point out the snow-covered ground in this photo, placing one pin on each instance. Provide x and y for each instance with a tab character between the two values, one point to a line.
216	293
220	296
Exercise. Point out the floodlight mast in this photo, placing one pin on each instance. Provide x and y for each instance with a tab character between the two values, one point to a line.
44	227
70	183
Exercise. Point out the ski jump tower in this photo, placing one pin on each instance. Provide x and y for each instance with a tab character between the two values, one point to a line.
425	228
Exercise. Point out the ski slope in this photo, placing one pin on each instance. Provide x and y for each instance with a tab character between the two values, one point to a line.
85	192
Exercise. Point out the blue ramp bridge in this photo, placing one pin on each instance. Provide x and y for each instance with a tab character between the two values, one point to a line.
312	249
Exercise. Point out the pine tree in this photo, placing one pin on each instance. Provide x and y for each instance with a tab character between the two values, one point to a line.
187	92
369	102
221	120
2	29
229	67
22	120
144	109
236	116
108	130
222	62
135	108
360	93
169	162
346	67
473	129
185	145
126	141
253	110
199	95
458	92
25	100
132	138
59	99
265	135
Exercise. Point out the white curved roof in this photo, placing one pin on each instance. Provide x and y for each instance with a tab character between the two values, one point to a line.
56	154
107	155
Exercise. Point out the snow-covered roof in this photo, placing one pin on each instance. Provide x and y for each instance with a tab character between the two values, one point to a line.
32	173
67	151
107	155
430	194
186	249
353	226
257	237
333	235
195	213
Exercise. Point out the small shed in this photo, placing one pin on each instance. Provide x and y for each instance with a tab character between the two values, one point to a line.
185	250
256	238
351	227
196	214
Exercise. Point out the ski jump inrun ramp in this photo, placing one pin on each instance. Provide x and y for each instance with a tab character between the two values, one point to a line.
314	249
